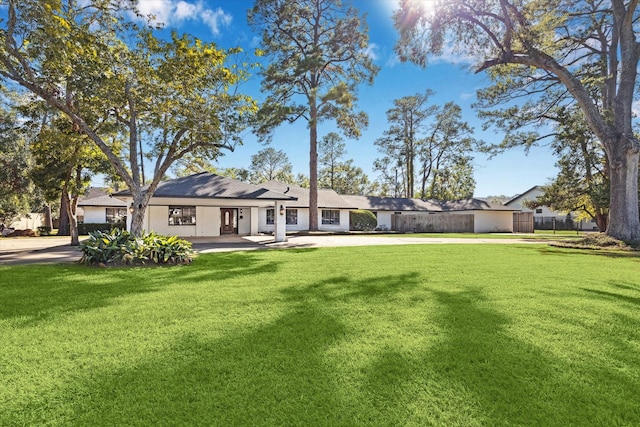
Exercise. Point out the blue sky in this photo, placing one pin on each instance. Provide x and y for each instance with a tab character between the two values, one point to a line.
224	22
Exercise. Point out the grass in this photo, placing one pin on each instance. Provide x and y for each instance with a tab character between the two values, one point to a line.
465	335
543	235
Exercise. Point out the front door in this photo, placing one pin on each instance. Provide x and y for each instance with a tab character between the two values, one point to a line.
229	221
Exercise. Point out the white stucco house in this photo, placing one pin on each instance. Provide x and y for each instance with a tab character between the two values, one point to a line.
486	217
209	205
333	209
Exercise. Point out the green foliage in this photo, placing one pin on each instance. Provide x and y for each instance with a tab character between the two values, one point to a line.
529	51
125	89
426	150
362	220
119	247
44	230
270	164
87	228
17	192
338	175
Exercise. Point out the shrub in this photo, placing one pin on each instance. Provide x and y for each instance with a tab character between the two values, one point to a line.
44	230
119	247
88	228
362	220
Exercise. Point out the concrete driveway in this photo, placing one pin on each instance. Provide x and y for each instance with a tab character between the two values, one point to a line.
30	250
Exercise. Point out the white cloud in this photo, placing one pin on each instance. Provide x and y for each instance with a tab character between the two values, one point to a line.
158	11
176	12
216	19
184	10
392	61
371	51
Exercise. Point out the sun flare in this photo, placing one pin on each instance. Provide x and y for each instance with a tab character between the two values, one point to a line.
393	5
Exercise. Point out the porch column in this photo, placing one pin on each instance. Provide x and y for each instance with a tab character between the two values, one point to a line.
280	221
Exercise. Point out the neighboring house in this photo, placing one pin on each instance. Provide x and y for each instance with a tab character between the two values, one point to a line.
485	217
333	209
206	205
544	218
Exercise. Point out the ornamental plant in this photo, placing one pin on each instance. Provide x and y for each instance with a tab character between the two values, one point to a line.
119	247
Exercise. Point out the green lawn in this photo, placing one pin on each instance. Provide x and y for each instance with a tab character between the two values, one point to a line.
543	235
390	335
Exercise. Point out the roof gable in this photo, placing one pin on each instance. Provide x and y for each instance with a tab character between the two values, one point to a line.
526	195
327	198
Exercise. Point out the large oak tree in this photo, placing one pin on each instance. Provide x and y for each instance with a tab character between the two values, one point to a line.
558	52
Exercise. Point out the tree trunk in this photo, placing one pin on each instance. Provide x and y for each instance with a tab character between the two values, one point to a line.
140	203
313	166
73	221
48	220
63	226
624	221
601	221
137	222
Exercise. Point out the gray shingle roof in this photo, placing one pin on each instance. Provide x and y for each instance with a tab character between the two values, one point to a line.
474	205
392	204
397	204
207	185
326	198
106	201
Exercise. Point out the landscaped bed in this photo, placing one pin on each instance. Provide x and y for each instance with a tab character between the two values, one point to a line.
388	335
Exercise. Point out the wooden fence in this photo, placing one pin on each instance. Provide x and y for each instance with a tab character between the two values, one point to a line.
433	223
523	222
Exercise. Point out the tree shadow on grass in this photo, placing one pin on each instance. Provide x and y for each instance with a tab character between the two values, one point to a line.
32	294
614	295
227	265
280	372
479	374
274	374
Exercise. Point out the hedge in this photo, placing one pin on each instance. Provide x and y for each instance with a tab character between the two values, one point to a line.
87	228
362	220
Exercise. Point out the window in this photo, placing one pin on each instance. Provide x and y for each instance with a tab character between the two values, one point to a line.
116	215
331	216
292	216
182	215
538	210
270	215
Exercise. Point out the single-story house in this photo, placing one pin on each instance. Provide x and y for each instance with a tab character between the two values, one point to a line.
546	218
333	209
206	205
484	217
